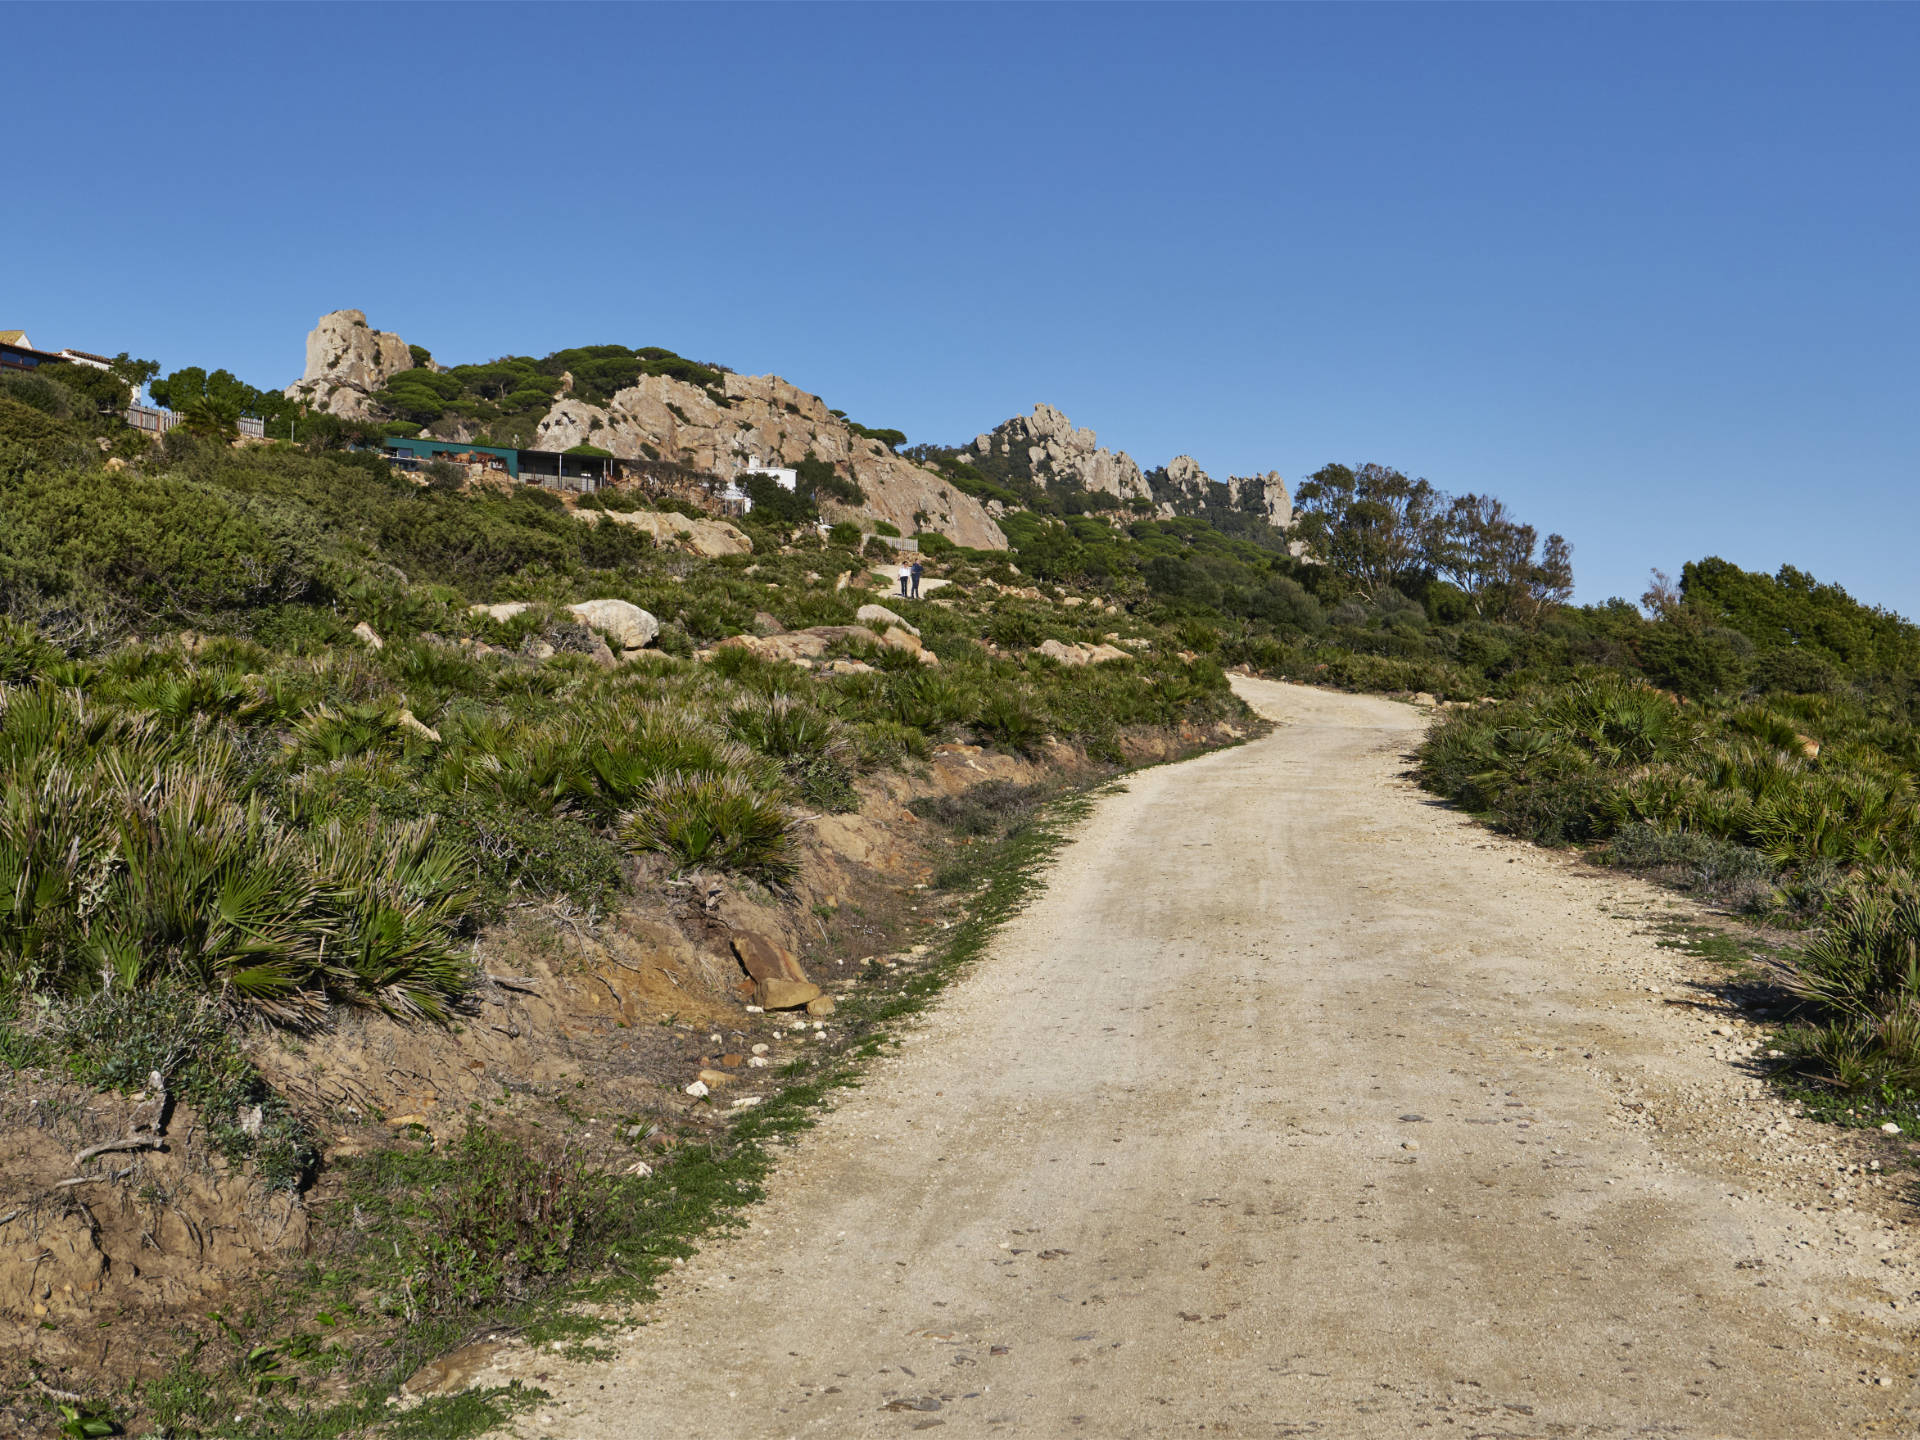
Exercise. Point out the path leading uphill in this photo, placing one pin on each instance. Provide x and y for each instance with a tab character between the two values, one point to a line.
1299	1106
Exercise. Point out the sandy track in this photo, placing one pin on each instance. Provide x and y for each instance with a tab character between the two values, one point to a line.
1146	1171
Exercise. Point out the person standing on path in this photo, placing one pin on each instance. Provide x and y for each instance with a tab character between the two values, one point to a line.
905	575
915	572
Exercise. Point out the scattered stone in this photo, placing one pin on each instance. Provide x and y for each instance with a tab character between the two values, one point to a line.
504	610
410	721
621	621
820	1005
640	1168
747	1102
1080	653
699	536
1889	1128
365	633
1409	1144
714	1079
785	994
881	612
698	1089
762	1048
897	639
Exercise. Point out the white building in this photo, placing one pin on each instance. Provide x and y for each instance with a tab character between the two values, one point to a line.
785	479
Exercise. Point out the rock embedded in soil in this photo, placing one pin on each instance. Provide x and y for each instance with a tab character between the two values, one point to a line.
786	994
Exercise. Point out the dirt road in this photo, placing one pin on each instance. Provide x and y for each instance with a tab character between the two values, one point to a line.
1297	1106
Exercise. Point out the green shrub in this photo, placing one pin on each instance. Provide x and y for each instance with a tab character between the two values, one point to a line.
505	1217
1010	718
41	392
1862	972
114	1039
990	808
721	821
1704	863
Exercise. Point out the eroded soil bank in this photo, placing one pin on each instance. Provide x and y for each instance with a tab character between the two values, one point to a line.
1298	1105
584	1030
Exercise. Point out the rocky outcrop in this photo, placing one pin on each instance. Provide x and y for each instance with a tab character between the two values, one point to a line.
1264	496
1080	653
699	537
621	621
808	647
763	418
347	361
1186	490
1183	488
1045	448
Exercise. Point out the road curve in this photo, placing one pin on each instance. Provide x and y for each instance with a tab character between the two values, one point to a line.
1292	1108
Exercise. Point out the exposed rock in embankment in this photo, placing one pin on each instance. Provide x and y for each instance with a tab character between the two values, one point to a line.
347	360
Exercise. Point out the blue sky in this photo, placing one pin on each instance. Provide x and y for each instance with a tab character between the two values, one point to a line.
1647	273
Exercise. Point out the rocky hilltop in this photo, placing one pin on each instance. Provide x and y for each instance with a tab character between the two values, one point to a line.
1045	449
1183	488
747	419
719	423
763	418
347	360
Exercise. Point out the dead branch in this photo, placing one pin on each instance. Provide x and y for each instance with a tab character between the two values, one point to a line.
131	1142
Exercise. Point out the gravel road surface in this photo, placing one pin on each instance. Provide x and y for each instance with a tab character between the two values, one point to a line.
1297	1106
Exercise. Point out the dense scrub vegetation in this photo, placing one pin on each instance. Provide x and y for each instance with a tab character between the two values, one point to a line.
506	398
210	781
1755	742
222	805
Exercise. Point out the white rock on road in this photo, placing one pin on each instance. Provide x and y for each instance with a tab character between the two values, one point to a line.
1142	1173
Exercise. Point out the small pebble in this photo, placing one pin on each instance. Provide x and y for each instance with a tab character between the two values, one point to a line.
1409	1144
1889	1128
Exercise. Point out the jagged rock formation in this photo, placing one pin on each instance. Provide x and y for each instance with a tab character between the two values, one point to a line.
1183	488
1186	490
1047	450
1261	495
762	417
347	361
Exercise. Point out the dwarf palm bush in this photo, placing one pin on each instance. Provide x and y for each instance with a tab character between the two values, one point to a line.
1010	718
706	819
931	702
132	854
1863	973
816	760
780	726
394	898
630	750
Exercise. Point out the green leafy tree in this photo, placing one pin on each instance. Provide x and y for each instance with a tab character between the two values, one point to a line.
1373	525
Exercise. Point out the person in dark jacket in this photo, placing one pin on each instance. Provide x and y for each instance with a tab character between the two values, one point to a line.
915	572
